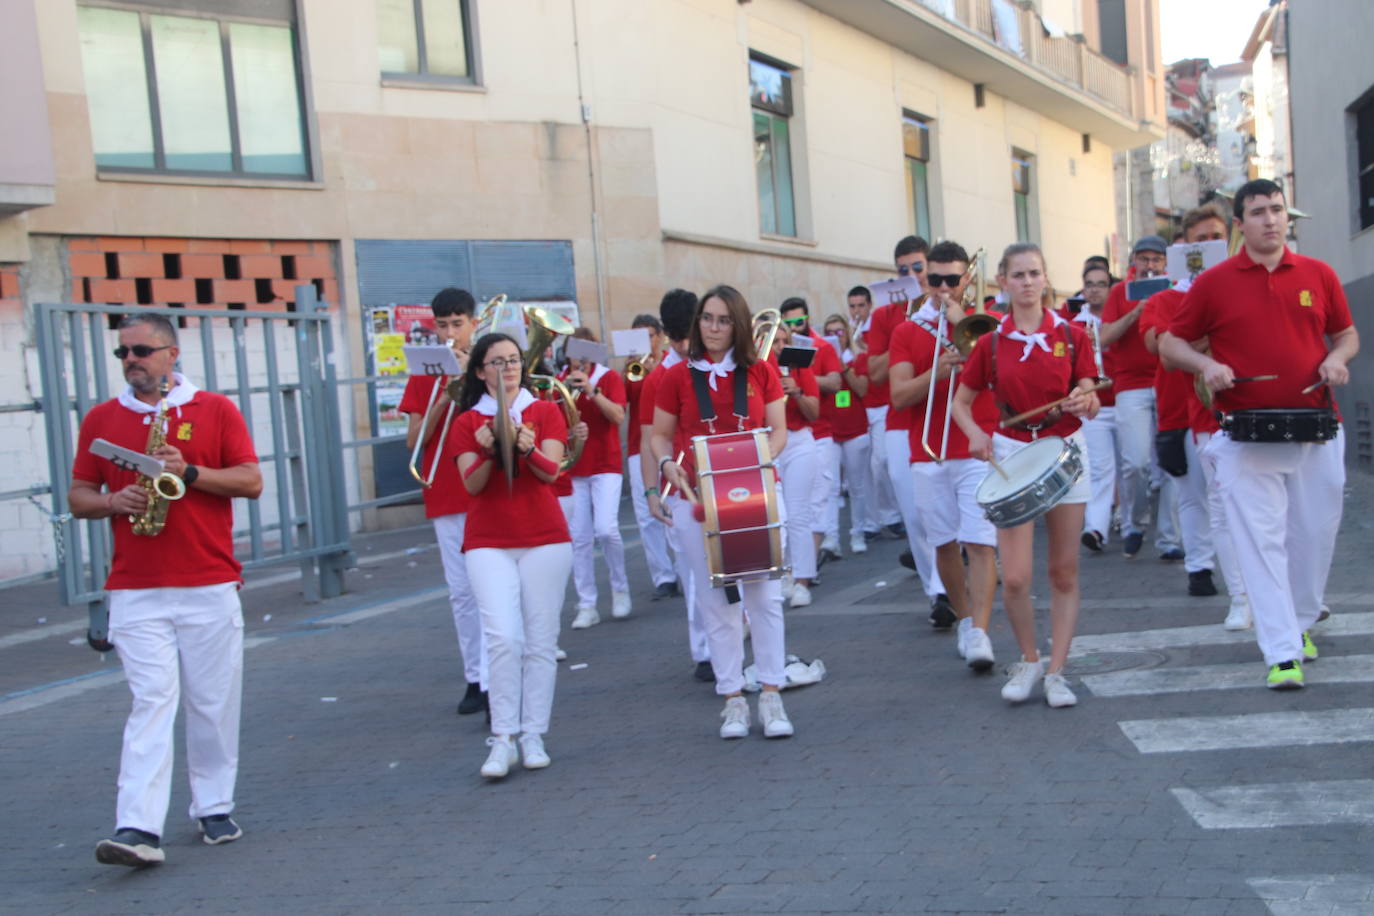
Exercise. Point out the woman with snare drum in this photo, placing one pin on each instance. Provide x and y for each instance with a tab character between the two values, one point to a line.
724	387
1034	357
516	543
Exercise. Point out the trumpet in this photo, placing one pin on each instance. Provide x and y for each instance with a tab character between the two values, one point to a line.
766	324
634	369
960	339
427	480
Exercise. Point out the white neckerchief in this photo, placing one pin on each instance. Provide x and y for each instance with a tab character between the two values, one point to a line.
1087	317
597	373
486	405
1034	340
180	395
847	356
715	370
672	359
1184	285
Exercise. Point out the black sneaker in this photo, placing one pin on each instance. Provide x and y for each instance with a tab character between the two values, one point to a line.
665	590
475	700
1094	541
907	560
704	672
1172	555
942	615
1131	545
219	828
872	535
1200	584
896	531
134	848
825	555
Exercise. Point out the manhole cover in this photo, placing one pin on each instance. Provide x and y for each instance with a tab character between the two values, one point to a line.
1103	662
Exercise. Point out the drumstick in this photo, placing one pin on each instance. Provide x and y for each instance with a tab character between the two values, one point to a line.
1309	389
1020	417
698	510
998	468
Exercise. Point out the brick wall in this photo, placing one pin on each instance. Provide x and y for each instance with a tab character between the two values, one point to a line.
249	274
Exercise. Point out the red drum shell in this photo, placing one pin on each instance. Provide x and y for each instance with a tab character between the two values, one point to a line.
739	493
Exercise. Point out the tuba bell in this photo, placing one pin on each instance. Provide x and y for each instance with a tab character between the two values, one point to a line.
543	327
971	327
765	327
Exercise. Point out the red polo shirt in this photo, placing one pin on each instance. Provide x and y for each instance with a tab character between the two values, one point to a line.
1173	387
447	496
915	346
845	422
634	391
826	361
1133	365
601	454
1038	379
1262	322
806	381
877	395
885	321
677	396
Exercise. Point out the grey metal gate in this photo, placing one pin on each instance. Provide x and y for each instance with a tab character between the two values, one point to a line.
278	367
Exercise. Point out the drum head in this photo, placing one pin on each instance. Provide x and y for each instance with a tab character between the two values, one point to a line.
1023	467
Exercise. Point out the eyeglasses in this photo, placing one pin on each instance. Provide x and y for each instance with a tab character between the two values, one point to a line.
142	351
1097	284
905	269
950	280
510	362
795	322
716	321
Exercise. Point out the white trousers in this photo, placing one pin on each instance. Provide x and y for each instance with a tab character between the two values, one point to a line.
797	468
175	642
947	494
696	626
596	519
884	511
1222	542
1194	519
825	490
1283	505
1103	450
723	622
854	471
898	446
653	534
520	594
1135	427
448	531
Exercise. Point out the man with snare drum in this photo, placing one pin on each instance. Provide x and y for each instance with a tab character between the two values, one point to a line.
1268	311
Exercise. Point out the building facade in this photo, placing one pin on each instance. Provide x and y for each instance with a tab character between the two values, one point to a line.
586	152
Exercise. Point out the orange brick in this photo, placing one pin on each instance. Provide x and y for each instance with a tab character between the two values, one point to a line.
293	247
166	245
78	291
250	246
9	284
207	246
202	266
174	290
113	291
310	267
140	264
284	290
235	291
260	265
119	243
83	244
331	291
87	263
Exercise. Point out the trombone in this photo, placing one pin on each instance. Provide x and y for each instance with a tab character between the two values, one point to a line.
960	339
427	480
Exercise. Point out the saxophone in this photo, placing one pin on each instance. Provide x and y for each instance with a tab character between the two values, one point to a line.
163	488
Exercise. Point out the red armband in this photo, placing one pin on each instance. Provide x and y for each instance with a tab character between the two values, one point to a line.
482	459
542	463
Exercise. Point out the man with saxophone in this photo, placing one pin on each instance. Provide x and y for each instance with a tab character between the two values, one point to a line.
175	615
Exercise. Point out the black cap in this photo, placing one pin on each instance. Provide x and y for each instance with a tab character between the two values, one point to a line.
1151	243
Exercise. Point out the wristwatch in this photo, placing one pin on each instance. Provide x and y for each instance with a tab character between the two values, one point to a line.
190	475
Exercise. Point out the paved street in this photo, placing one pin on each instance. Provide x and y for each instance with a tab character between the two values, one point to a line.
1178	784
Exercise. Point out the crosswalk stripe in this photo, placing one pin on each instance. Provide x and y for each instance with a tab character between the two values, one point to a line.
1269	729
1282	804
1315	895
1331	669
1360	624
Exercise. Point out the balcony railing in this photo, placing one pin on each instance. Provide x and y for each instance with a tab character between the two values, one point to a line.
1067	59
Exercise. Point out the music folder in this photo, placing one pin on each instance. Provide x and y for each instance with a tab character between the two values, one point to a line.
431	359
796	357
126	458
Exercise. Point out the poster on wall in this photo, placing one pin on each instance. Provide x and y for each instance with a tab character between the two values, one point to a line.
390	329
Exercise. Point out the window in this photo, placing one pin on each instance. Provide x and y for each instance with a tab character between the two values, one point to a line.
1021	194
429	39
192	93
916	153
1364	164
770	95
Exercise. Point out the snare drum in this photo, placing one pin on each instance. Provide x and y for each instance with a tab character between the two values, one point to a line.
739	493
1038	477
1295	424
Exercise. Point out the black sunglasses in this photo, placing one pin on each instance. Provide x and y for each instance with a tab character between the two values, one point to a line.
950	280
905	269
142	351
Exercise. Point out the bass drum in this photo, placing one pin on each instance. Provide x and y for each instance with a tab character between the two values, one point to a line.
1038	477
739	495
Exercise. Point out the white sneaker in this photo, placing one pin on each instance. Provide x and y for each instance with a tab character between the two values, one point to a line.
773	716
961	636
1057	692
558	654
1024	674
978	649
858	544
788	583
533	753
736	716
1322	613
503	754
586	617
830	544
1238	617
801	595
620	605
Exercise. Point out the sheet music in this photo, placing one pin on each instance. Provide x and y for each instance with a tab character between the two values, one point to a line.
901	289
431	359
127	459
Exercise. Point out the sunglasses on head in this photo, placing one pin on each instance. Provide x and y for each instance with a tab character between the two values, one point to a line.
950	280
795	322
142	351
905	269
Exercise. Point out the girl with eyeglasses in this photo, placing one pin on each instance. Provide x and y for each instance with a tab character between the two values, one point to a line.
518	551
721	350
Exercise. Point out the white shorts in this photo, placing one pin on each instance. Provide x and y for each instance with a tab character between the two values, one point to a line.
946	494
1082	489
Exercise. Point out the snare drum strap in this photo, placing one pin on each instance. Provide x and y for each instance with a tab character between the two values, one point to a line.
707	409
